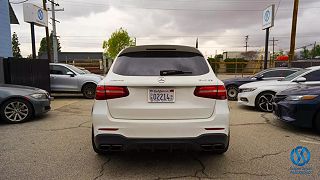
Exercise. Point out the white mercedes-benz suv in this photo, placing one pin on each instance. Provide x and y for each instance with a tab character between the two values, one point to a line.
160	96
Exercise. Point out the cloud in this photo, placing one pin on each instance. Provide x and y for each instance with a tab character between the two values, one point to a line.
220	25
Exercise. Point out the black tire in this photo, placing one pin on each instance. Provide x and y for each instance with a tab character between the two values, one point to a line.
316	123
232	92
16	111
98	151
89	90
264	101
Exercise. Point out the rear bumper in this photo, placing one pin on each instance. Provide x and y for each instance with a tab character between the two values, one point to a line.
116	142
170	128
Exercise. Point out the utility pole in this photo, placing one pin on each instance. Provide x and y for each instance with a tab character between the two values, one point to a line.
197	43
54	30
47	34
266	49
293	31
273	44
33	41
54	33
247	38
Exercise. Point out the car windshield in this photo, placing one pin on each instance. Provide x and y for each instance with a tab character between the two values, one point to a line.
258	74
153	63
75	69
294	75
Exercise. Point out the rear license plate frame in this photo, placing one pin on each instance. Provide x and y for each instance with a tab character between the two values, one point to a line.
161	95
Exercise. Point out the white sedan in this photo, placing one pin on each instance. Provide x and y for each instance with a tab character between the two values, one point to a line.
160	97
260	94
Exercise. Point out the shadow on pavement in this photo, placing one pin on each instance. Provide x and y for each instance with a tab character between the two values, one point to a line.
67	96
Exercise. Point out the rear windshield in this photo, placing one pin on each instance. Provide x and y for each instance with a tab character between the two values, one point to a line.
150	63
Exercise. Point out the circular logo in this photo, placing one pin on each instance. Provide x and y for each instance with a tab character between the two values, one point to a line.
267	15
300	156
40	14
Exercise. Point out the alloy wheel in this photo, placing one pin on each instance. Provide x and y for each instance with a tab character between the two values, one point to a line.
232	93
265	102
16	111
89	91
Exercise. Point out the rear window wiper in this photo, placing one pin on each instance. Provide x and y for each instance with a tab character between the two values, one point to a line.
173	72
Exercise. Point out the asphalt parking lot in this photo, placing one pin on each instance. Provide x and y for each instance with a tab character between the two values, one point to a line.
58	146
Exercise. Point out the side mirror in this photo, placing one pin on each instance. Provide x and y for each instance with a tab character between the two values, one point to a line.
259	77
71	74
300	80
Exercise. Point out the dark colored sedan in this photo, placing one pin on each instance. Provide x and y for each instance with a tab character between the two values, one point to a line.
232	85
299	106
20	103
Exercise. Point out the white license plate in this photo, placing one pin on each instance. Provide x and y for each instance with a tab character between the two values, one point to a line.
161	95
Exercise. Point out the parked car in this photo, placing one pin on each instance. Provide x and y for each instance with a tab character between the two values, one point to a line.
299	106
160	96
233	84
68	78
20	103
260	94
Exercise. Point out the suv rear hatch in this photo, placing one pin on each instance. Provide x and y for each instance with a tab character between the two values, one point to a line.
160	85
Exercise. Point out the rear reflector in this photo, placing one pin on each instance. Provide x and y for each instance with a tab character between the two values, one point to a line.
212	129
111	92
108	129
212	92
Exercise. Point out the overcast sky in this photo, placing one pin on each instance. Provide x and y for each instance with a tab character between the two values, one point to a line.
221	25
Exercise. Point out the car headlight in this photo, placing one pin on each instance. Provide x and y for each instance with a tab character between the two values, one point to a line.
39	96
301	97
247	89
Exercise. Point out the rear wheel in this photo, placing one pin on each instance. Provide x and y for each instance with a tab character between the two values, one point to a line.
16	111
264	101
89	90
232	92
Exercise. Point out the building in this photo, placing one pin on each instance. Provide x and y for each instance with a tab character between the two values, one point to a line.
250	55
92	61
76	56
232	55
7	17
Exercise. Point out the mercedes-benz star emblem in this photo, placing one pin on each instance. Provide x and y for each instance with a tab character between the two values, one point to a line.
161	80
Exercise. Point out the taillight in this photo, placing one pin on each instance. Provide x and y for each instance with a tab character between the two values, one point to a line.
111	92
212	92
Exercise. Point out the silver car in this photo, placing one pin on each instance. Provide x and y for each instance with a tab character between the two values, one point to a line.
68	78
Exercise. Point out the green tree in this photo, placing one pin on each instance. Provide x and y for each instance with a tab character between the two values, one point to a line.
15	46
305	53
315	51
43	45
119	40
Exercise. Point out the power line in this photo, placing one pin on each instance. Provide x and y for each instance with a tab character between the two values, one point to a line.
277	8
